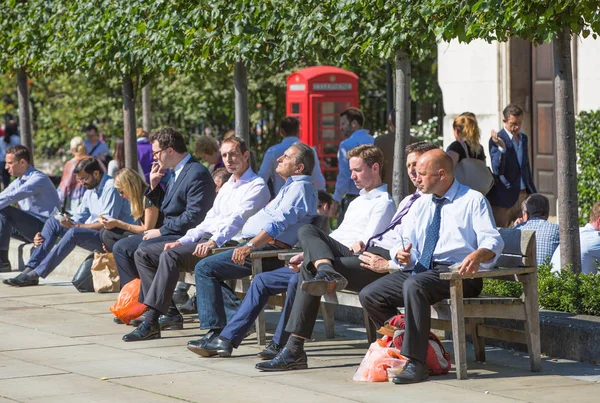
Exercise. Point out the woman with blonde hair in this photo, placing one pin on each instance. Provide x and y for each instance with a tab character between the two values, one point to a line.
145	211
466	133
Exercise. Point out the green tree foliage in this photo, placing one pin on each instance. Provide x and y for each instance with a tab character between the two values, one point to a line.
588	152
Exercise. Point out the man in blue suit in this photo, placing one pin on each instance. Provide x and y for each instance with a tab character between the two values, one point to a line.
510	163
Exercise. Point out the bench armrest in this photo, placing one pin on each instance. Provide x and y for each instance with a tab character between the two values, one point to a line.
286	256
499	272
263	254
223	249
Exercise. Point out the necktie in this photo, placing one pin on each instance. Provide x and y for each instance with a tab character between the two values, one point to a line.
431	238
397	220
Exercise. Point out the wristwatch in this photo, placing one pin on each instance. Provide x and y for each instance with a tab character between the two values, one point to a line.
251	245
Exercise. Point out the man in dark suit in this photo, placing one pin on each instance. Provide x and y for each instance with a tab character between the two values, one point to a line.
185	201
510	163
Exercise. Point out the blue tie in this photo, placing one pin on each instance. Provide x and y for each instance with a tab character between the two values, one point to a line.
431	238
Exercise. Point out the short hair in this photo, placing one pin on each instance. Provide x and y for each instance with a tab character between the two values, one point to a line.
306	156
87	165
325	198
140	132
169	137
229	134
91	126
206	145
420	147
20	152
221	173
239	143
290	126
77	146
512	109
354	114
537	206
369	153
595	212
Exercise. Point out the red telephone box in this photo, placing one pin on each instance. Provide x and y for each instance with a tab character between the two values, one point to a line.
317	96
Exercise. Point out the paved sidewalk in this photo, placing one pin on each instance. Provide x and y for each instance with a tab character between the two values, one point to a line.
57	345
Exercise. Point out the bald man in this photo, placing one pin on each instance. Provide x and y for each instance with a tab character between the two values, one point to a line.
450	224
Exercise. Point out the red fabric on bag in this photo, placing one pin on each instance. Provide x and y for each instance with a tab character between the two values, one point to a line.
127	307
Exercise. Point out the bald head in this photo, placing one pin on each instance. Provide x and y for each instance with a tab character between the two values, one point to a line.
435	172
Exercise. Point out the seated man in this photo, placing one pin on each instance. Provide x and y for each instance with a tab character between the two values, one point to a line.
274	227
589	238
535	210
368	215
35	195
373	263
100	198
450	224
159	266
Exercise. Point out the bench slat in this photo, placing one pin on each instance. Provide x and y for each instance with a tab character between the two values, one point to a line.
499	272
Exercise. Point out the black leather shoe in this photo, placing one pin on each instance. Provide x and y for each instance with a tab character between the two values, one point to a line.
270	351
190	307
180	297
22	280
117	321
170	322
5	267
412	372
208	337
139	320
284	361
144	332
325	282
217	346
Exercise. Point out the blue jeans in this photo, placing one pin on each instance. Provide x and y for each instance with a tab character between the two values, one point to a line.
216	301
44	259
263	286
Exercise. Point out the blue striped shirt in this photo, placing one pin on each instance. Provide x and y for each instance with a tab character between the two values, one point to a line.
34	192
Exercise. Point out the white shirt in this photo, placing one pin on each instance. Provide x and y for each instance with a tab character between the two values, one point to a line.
590	251
367	215
467	224
179	167
234	204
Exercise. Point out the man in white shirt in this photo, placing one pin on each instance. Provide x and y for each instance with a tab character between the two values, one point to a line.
589	237
370	212
450	224
243	195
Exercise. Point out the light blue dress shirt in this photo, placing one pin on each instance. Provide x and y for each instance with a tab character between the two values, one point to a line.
344	184
104	200
34	193
269	164
590	251
294	206
100	151
467	224
179	167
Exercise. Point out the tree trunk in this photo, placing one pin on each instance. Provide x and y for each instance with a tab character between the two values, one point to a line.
146	109
400	184
570	250
24	115
131	159
389	87
242	123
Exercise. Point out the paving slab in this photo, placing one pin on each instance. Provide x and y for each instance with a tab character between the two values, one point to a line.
11	368
15	337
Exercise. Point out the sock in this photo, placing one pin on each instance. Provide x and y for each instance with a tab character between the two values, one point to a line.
325	267
151	316
28	270
4	256
296	345
173	311
32	274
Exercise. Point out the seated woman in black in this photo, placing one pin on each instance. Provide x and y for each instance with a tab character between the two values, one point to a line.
145	211
466	133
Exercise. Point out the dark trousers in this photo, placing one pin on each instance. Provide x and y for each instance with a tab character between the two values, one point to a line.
346	200
306	307
159	271
124	251
263	286
110	237
416	293
317	245
18	224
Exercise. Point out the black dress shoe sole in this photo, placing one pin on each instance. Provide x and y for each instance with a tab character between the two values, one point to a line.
172	326
19	284
399	380
318	288
202	351
7	281
150	336
288	367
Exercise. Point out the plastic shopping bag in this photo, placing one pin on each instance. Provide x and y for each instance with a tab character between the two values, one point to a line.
127	307
374	367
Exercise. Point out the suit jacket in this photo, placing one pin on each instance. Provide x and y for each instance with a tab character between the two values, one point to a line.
186	202
505	166
386	142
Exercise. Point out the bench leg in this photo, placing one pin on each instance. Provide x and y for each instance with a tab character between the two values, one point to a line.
261	331
327	313
371	331
458	328
532	322
478	342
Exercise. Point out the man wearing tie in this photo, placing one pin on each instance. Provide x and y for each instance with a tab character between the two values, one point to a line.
188	197
449	224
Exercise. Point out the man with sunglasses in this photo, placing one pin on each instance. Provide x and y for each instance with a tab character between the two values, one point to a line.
83	229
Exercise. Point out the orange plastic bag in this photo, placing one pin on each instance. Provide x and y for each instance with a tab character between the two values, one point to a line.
378	360
127	307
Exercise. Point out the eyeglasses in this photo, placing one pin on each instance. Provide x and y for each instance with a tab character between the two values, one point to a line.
156	153
83	179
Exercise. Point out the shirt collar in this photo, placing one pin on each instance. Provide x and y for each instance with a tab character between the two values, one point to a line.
246	177
359	132
589	227
453	191
290	140
27	173
511	137
100	187
298	178
374	192
179	166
